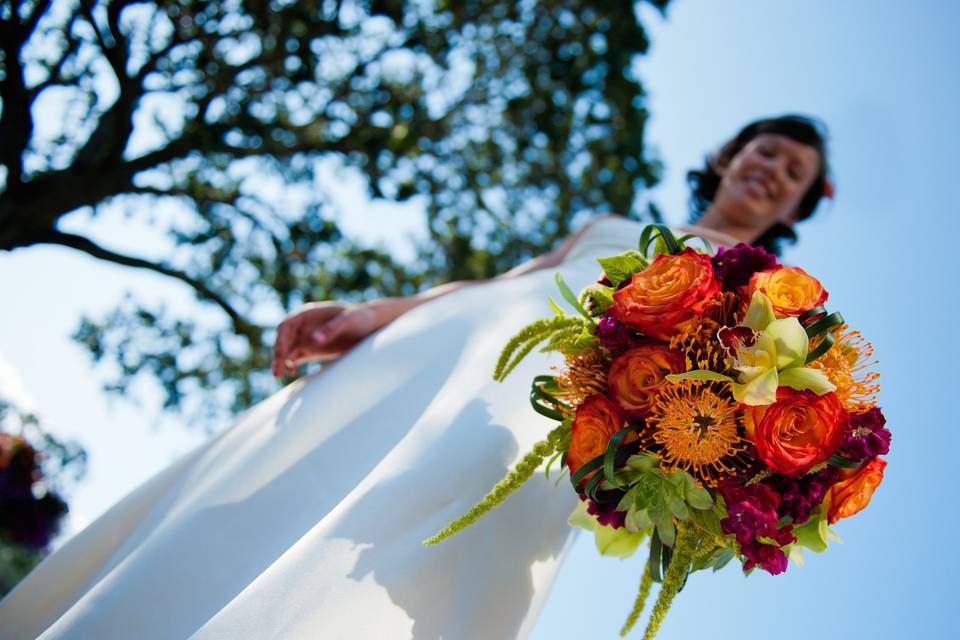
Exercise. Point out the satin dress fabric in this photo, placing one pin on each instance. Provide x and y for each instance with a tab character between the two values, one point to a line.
305	518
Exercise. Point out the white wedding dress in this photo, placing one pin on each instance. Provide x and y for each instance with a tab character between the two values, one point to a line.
305	518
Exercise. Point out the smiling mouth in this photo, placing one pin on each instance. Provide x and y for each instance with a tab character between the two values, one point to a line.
759	187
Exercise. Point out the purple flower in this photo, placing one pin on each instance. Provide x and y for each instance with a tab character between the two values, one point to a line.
752	514
613	335
751	510
606	514
768	557
799	496
735	266
866	436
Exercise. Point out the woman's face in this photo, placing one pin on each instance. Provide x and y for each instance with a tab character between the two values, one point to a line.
764	183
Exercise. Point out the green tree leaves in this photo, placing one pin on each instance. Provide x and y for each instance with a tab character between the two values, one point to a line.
506	121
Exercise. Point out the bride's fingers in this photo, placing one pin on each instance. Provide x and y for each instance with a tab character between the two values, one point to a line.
330	330
277	366
349	326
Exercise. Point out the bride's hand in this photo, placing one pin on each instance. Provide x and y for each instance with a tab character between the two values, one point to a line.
327	330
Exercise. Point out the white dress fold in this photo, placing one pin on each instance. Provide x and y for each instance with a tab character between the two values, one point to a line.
305	518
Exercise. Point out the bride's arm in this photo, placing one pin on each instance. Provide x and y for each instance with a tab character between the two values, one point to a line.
326	330
547	261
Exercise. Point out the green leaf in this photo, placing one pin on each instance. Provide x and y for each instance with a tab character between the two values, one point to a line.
638	520
722	557
837	460
620	543
827	340
601	296
814	533
699	498
794	553
677	506
656	552
579	517
643	461
665	528
569	296
626	502
557	309
550	462
619	268
708	248
708	521
610	455
825	324
699	375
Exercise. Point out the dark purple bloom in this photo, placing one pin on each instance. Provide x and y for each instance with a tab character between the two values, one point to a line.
735	266
751	510
606	514
752	514
866	436
613	335
768	557
799	496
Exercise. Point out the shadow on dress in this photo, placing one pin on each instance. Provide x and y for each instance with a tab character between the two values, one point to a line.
478	583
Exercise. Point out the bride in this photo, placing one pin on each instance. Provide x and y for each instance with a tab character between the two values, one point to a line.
305	518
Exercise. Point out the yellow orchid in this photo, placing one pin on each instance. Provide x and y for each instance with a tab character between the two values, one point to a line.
766	352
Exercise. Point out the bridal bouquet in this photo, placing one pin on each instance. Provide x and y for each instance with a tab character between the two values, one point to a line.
708	404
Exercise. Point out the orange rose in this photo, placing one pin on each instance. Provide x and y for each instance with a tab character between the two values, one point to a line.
798	431
665	296
596	421
636	376
792	291
852	494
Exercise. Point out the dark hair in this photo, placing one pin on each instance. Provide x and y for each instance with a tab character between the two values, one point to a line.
704	182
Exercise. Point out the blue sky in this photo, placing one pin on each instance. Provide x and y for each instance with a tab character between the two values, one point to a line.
884	76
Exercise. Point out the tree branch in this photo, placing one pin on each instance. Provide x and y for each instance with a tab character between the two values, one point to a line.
89	247
16	122
32	21
55	71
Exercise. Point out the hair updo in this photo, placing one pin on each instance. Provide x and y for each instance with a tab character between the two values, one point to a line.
805	130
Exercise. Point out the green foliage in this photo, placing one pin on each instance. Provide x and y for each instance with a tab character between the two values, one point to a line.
620	267
563	444
656	498
218	126
815	533
645	584
613	542
568	328
596	299
570	297
674	578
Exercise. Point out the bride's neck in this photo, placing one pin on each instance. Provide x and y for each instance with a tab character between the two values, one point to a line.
714	235
725	231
